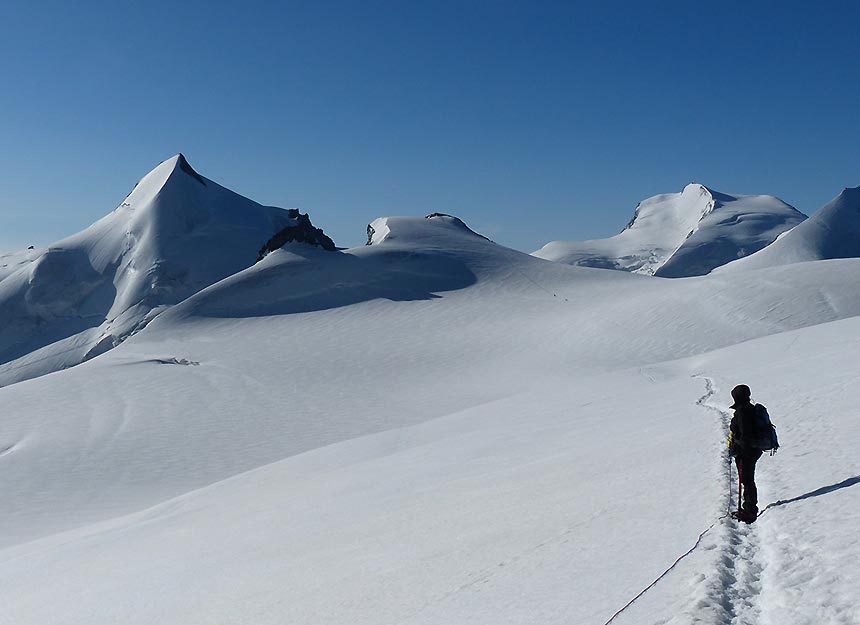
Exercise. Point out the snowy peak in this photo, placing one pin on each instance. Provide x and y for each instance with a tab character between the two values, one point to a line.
176	169
843	210
188	169
433	227
454	221
671	212
176	165
173	235
731	227
832	232
683	234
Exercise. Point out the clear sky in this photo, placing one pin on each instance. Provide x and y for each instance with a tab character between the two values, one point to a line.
532	121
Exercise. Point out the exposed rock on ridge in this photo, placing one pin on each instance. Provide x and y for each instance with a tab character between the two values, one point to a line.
303	231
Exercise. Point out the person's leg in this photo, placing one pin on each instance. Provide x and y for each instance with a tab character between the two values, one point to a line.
748	481
739	465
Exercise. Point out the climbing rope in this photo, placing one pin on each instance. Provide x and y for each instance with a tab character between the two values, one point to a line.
728	512
667	571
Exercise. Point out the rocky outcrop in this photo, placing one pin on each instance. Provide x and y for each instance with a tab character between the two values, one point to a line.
302	231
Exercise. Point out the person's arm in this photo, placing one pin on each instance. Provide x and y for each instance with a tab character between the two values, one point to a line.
733	427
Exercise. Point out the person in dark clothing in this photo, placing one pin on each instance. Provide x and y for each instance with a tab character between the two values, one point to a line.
742	432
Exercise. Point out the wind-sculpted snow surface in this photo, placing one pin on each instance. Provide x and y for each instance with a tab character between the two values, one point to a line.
176	233
515	511
832	232
437	429
683	234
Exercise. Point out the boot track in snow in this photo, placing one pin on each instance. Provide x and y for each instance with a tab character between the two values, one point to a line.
732	589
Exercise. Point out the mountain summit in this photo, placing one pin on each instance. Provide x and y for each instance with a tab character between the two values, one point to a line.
683	234
832	232
175	234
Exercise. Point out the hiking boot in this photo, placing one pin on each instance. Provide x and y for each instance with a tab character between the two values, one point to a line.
747	516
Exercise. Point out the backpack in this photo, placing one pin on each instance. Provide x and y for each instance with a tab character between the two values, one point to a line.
764	433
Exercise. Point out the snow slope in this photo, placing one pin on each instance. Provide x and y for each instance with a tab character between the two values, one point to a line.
798	563
176	233
832	232
683	234
10	262
437	429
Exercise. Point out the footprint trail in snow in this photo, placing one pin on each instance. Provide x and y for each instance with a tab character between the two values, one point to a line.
722	569
732	592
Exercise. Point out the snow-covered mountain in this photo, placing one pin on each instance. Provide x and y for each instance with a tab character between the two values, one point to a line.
434	428
683	234
832	232
379	231
176	233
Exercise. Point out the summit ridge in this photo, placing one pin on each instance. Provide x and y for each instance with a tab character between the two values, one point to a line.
683	234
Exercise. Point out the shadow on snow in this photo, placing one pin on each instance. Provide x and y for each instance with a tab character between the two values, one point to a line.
851	481
312	280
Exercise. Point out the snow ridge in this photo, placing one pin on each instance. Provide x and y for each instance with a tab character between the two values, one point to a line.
379	230
832	232
683	234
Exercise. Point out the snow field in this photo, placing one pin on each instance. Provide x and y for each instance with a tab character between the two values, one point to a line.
124	431
797	563
444	518
524	509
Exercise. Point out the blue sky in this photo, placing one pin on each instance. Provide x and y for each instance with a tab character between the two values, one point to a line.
532	121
